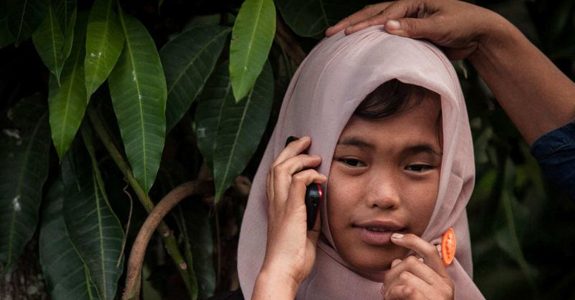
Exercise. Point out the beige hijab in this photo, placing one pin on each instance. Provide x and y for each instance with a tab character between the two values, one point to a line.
323	94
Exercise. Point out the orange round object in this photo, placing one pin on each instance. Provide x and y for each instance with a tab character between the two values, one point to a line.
448	246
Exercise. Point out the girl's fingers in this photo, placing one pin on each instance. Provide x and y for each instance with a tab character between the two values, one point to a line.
288	177
424	249
413	277
282	175
299	183
289	161
292	149
403	292
406	280
414	266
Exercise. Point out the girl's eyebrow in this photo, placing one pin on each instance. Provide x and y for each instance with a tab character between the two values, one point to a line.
355	141
422	148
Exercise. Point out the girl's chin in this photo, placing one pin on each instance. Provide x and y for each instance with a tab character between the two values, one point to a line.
375	272
376	276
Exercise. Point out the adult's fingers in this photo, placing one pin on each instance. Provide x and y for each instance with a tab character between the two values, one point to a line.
414	28
409	9
357	17
393	11
426	250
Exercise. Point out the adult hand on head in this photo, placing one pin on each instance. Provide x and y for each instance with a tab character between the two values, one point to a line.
291	248
457	26
417	278
535	94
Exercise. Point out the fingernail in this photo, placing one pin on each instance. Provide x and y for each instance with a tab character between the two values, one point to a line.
395	262
392	24
290	139
397	236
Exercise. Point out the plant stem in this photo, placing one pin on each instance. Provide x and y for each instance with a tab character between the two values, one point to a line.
165	232
136	260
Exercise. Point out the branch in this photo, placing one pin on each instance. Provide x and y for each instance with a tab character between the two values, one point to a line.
165	232
132	289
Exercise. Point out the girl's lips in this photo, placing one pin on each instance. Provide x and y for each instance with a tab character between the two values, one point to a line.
377	233
375	237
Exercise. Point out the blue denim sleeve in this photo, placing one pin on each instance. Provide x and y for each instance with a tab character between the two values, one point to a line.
555	152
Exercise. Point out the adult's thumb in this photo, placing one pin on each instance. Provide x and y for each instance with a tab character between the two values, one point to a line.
410	27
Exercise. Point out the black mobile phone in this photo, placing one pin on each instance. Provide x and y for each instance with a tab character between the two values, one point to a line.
313	196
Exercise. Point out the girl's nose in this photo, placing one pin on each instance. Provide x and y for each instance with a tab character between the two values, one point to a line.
383	192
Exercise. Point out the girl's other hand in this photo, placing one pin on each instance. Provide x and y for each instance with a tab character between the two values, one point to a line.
417	278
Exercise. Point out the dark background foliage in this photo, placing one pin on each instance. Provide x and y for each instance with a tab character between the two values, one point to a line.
522	228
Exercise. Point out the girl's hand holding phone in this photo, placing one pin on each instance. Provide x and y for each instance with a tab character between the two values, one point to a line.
291	248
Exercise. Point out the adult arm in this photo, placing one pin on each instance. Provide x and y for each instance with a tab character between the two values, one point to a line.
536	96
534	93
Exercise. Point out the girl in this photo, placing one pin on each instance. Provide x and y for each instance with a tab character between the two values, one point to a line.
383	117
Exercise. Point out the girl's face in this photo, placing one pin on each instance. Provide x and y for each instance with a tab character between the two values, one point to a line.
384	179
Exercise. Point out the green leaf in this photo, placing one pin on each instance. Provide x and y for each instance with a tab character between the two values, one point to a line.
6	37
209	112
49	41
138	89
54	38
67	13
252	39
310	18
93	228
149	290
68	100
104	42
23	17
189	257
65	273
198	221
188	61
230	130
508	237
558	16
204	21
24	157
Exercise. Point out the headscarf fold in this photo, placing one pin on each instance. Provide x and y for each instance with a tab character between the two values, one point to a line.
323	94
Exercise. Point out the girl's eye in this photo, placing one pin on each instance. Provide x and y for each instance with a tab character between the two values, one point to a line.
419	167
352	162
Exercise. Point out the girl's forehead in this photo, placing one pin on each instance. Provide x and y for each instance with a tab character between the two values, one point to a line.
416	128
424	110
